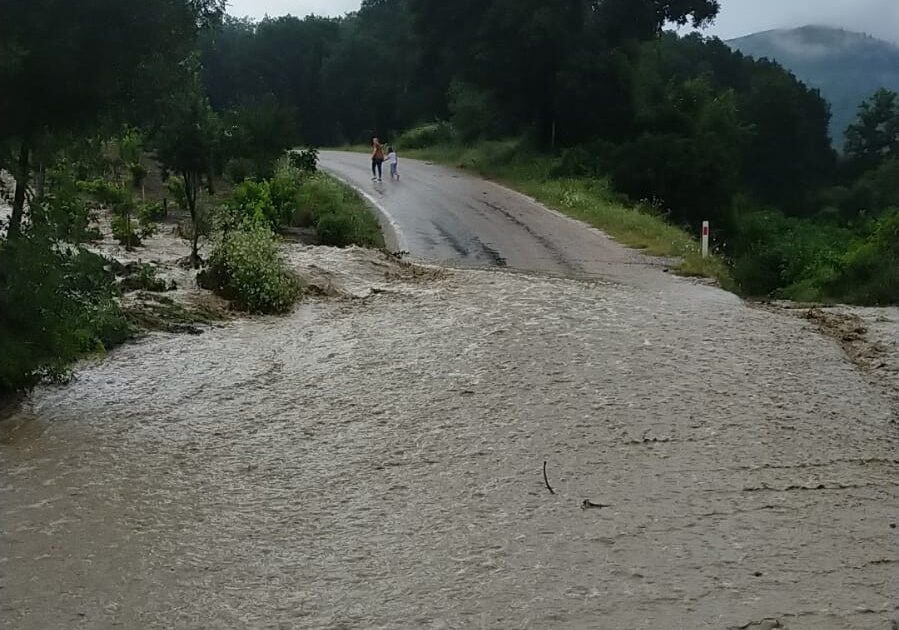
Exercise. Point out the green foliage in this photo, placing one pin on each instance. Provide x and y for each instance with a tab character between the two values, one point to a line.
250	200
258	132
149	213
144	278
784	257
186	144
425	136
56	304
870	267
64	209
874	137
304	160
847	67
247	268
340	216
125	231
175	187
589	199
238	169
475	114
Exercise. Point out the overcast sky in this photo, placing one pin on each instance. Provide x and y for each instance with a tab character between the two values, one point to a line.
738	17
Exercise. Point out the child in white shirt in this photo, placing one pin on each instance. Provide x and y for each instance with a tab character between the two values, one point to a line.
393	161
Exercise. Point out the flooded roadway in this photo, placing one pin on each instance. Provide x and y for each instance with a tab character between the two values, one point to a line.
375	461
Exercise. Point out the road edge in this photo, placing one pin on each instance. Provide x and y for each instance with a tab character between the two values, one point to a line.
393	235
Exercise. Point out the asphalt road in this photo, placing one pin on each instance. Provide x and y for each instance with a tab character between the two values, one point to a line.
443	215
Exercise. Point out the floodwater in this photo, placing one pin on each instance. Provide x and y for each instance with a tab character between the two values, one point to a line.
375	460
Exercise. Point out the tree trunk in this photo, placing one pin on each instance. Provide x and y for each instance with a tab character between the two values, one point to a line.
191	188
211	174
39	182
18	206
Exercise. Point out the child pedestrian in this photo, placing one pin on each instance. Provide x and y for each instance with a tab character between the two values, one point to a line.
393	161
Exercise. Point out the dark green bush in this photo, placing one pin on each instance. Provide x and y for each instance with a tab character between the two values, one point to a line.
238	169
870	271
336	230
340	216
425	136
304	160
785	257
126	232
56	304
247	268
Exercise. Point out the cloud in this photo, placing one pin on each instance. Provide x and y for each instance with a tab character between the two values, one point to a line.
259	8
742	17
738	17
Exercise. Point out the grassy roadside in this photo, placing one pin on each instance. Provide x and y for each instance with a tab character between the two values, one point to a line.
589	200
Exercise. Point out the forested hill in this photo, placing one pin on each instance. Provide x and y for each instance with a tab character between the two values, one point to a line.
847	67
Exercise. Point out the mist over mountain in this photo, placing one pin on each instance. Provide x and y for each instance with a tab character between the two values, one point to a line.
846	66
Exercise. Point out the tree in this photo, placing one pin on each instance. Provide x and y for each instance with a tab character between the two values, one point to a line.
790	154
185	144
64	67
260	131
874	137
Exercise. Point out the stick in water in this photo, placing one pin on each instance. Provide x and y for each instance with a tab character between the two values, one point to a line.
546	481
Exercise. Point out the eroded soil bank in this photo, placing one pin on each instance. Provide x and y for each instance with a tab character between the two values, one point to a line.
375	460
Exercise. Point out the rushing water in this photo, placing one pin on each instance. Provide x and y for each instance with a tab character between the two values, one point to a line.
375	461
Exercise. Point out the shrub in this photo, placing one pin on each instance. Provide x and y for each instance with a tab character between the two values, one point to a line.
126	232
56	304
319	195
247	268
144	278
250	201
238	169
336	230
340	216
870	271
785	257
426	136
304	160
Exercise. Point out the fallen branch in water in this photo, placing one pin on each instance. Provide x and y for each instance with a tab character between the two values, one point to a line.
546	481
587	504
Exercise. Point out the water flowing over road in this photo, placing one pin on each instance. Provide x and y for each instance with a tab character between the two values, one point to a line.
375	459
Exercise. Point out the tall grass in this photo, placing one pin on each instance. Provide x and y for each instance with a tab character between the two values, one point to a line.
590	200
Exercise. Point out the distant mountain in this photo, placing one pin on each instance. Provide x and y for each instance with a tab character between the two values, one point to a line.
847	67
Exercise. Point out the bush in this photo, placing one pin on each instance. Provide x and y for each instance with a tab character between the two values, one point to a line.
238	169
870	271
304	160
340	216
318	196
247	269
336	230
250	201
426	136
785	257
126	232
56	304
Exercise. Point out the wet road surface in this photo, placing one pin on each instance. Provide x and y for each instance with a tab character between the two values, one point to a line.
445	216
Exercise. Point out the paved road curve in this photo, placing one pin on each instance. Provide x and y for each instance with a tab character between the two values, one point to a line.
443	215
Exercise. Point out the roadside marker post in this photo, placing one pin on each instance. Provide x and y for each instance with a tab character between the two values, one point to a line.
705	239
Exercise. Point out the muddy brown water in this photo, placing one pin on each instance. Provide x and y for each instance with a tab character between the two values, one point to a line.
374	460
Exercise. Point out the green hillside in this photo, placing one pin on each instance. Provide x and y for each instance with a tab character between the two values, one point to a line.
847	67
